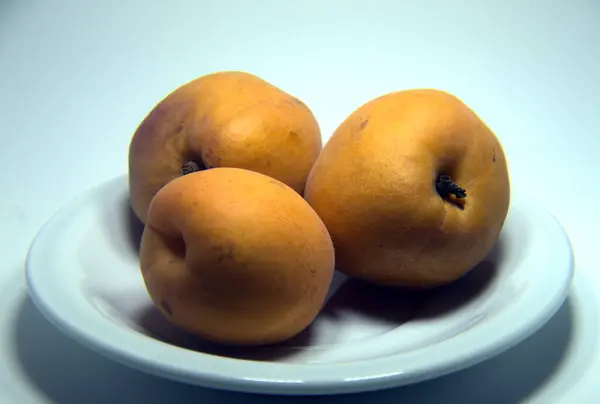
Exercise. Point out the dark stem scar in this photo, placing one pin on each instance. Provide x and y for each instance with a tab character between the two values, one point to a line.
166	307
446	187
192	166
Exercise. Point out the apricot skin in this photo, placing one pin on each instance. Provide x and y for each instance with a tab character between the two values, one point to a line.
235	257
223	119
373	185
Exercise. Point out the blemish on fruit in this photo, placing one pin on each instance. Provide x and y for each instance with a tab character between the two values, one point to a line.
211	160
494	157
166	307
224	252
363	124
208	153
293	135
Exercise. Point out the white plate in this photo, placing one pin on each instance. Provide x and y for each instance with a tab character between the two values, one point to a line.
83	274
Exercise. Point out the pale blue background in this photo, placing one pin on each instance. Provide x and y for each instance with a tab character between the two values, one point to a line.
76	77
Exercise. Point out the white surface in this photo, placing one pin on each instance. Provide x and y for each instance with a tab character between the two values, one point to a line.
83	274
77	77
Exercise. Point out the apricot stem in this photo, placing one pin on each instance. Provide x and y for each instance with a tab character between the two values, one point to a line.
190	167
445	186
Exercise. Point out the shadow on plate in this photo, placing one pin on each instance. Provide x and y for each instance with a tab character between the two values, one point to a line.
68	373
371	301
135	227
156	326
397	305
473	284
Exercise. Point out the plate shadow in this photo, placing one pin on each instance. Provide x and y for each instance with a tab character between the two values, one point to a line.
134	228
157	326
385	304
399	305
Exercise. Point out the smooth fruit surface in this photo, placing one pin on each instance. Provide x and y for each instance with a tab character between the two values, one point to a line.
235	257
223	119
374	186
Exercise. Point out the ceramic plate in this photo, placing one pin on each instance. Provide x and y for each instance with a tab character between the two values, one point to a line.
83	274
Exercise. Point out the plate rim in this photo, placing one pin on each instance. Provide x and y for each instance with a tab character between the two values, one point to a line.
242	381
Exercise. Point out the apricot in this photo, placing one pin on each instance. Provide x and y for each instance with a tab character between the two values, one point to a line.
413	188
235	257
223	119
